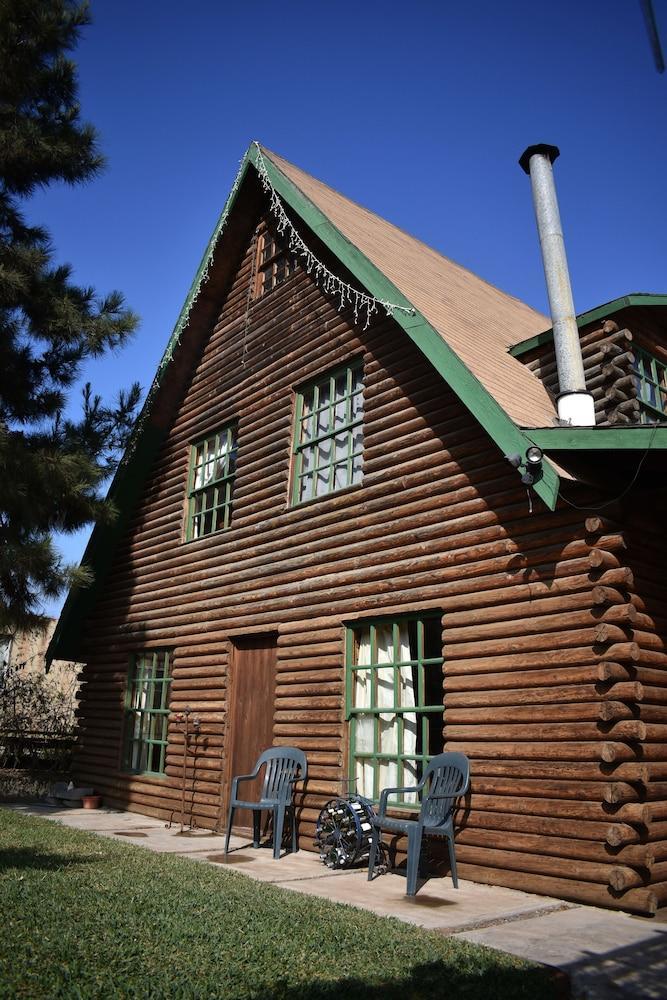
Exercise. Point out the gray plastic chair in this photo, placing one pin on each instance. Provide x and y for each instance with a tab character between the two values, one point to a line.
445	779
284	767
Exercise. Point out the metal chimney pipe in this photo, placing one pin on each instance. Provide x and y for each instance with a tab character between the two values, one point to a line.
575	403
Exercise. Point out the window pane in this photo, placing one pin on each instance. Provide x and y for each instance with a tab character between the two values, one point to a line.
340	447
412	772
340	413
432	638
322	422
322	484
323	454
362	688
365	728
306	429
388	774
340	476
385	685
306	487
364	774
388	733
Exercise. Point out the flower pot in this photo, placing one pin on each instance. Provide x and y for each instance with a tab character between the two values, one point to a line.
92	801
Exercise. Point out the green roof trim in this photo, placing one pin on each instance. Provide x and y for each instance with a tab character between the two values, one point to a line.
471	392
601	312
640	438
125	492
131	474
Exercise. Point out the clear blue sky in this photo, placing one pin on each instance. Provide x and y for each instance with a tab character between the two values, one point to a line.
417	110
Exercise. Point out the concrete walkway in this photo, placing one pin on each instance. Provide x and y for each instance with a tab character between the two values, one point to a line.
605	954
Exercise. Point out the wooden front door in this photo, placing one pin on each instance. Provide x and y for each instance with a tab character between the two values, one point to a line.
251	705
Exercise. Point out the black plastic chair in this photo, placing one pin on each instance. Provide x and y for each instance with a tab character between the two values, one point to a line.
284	767
446	777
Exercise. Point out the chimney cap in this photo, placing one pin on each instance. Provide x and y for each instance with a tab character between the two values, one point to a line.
551	151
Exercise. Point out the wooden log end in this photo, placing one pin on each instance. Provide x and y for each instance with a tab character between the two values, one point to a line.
622	878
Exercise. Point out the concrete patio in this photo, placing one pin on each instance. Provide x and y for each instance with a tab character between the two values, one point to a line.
605	954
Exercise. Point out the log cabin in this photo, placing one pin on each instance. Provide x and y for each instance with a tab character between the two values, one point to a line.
331	535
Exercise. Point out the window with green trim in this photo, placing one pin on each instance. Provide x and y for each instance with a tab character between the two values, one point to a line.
651	383
146	712
395	706
211	483
329	438
274	262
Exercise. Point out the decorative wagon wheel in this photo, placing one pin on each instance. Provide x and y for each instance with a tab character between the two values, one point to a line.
343	831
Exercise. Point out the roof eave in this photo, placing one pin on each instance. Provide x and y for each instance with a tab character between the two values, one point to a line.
642	437
492	417
600	312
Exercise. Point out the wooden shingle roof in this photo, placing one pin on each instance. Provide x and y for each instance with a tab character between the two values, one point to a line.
478	321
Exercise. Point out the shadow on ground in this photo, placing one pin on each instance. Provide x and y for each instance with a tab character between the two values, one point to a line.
433	982
46	861
635	972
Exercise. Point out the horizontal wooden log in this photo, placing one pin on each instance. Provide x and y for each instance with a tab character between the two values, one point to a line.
591	791
601	559
539	750
623	730
573	772
632	812
630	691
605	711
608	595
571	849
538	864
621	791
615	752
642	901
544	826
619	834
622	878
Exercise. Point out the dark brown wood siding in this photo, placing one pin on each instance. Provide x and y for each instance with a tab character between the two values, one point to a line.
537	655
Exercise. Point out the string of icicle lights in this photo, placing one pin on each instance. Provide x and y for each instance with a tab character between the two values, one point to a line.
363	304
332	285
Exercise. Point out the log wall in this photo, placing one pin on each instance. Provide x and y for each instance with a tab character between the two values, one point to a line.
549	676
608	356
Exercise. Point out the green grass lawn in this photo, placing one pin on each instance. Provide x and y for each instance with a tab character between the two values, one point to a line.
85	916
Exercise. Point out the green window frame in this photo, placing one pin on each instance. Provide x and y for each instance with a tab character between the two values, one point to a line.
651	384
274	262
211	483
147	712
329	438
394	670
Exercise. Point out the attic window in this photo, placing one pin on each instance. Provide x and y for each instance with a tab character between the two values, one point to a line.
274	262
651	382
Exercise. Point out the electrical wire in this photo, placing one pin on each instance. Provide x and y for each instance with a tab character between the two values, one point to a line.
627	489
